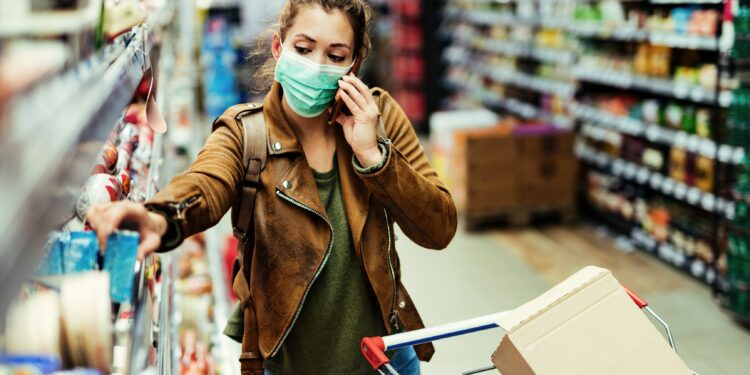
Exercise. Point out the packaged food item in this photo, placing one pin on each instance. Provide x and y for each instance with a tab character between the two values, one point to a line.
688	119
704	173
69	252
32	328
119	262
673	115
641	62
76	252
651	110
703	122
678	164
660	60
86	312
707	76
98	189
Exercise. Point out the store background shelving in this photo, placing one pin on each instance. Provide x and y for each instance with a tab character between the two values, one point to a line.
486	37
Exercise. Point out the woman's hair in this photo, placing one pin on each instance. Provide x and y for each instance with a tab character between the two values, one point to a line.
358	12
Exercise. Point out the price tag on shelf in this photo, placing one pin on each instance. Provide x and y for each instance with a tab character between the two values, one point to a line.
698	268
738	156
693	195
668	186
643	174
708	148
725	98
725	153
680	140
618	167
681	90
680	191
653	133
693	143
698	94
678	257
710	276
708	202
656	180
730	210
630	171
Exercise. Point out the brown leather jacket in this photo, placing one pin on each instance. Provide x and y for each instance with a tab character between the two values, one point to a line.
292	234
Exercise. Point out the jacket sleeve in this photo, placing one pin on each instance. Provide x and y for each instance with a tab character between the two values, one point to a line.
407	184
197	199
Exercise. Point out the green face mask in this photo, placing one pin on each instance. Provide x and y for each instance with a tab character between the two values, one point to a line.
309	87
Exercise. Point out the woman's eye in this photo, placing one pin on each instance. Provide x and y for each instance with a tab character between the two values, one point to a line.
336	58
302	50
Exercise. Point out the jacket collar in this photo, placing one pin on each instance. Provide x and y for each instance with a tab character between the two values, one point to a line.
281	136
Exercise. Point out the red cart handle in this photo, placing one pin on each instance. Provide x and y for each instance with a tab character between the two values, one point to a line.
638	300
373	348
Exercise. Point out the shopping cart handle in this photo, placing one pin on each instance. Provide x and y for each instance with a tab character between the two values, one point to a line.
638	300
373	349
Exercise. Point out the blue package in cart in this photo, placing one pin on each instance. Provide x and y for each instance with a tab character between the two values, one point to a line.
119	261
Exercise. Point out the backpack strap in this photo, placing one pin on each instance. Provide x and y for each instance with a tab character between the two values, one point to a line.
254	156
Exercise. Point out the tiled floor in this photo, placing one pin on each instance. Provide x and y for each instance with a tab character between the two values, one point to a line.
493	271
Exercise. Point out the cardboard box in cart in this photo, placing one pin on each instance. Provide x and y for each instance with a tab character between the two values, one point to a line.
586	325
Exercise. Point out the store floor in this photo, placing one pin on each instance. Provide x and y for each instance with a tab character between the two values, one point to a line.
497	270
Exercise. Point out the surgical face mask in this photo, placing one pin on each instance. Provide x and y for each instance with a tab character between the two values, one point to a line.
309	87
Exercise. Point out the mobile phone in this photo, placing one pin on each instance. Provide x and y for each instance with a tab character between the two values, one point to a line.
338	105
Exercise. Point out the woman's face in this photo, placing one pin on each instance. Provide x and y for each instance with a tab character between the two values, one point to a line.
325	38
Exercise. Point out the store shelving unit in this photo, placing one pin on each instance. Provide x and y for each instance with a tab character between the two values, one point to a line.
56	132
473	78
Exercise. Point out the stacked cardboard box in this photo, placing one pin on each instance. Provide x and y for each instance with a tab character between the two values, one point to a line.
500	171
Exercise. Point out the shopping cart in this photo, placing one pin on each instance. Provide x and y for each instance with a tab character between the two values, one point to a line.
374	348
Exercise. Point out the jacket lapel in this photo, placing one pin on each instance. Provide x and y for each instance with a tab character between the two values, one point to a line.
356	196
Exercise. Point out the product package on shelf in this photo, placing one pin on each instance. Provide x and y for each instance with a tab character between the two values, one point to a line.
197	329
75	252
68	326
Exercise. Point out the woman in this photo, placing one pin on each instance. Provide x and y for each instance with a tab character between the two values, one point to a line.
324	271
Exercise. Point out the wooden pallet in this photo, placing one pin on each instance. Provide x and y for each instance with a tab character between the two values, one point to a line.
520	216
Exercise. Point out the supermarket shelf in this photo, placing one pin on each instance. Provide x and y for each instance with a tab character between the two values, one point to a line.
655	133
528	81
686	1
684	41
512	105
674	256
37	170
656	181
666	87
459	57
601	31
523	49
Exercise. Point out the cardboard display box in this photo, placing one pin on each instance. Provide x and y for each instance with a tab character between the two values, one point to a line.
497	170
586	325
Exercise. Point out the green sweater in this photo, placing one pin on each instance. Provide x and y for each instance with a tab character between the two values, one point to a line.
339	310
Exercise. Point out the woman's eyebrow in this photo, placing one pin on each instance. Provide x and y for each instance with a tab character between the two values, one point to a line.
340	45
334	45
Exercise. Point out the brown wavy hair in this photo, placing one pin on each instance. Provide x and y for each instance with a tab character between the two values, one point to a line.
358	12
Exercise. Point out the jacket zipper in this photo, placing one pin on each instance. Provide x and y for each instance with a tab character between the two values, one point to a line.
394	317
180	207
317	273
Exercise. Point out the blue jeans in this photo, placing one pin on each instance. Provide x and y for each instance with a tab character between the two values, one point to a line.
404	360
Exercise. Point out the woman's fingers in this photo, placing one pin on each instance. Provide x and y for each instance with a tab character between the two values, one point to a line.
360	86
354	94
150	242
350	103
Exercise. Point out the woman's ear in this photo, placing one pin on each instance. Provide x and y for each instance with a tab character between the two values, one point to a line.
276	46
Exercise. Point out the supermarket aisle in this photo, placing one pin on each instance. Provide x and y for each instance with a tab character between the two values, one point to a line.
497	270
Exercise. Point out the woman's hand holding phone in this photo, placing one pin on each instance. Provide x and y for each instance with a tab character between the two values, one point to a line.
360	129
